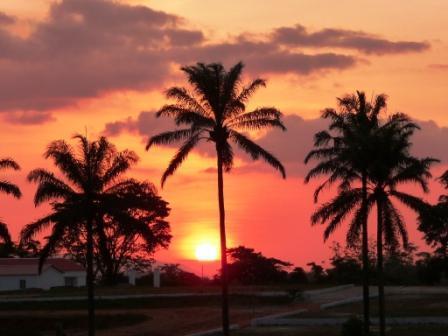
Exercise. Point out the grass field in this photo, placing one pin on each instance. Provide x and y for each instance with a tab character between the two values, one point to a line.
149	303
26	325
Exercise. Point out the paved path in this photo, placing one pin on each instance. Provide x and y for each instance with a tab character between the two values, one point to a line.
356	293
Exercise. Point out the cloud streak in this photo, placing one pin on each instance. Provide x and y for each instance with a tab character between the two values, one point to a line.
289	147
87	48
299	36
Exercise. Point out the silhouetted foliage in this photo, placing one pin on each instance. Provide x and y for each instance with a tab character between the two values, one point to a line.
343	152
317	272
352	327
172	275
434	225
215	111
431	269
346	265
249	267
130	242
298	276
30	249
8	188
92	188
376	154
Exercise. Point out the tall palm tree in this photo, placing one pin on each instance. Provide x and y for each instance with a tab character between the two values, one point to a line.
215	111
88	189
392	166
8	188
343	155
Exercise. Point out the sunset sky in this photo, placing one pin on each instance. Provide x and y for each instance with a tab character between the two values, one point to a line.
100	67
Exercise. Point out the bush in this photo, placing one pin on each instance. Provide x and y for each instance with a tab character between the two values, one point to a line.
352	327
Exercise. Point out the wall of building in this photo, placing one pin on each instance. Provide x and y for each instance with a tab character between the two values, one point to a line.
49	278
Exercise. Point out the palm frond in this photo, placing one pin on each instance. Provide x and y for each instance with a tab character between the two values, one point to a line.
340	205
30	230
256	151
355	227
248	91
258	119
57	234
10	189
9	163
65	159
186	99
180	156
415	203
206	80
183	115
49	186
170	137
4	233
121	163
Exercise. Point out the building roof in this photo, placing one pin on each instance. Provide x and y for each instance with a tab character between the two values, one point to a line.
30	266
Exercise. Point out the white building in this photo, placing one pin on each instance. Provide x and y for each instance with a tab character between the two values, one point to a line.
22	273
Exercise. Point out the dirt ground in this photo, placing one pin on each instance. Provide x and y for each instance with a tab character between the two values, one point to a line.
170	322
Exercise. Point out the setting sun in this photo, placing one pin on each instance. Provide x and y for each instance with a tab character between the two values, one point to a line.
206	252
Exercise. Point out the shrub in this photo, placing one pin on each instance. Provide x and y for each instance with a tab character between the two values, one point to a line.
352	327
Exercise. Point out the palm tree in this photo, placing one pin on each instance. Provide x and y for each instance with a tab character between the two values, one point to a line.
215	111
343	155
392	166
88	190
389	166
8	188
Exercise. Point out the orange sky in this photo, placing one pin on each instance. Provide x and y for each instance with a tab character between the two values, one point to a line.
264	212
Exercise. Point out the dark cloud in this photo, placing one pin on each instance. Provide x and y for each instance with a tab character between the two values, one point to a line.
266	58
298	36
289	147
28	117
146	124
86	48
5	19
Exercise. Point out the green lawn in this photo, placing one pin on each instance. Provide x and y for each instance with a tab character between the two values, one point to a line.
25	325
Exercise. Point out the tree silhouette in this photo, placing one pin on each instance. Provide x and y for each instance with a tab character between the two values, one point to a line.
215	111
126	242
90	188
392	166
343	154
434	225
8	188
389	166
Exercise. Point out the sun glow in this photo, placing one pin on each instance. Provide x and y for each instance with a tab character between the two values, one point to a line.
206	252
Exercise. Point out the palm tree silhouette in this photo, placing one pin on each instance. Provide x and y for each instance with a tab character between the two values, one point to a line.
8	188
343	155
215	111
392	166
89	190
389	166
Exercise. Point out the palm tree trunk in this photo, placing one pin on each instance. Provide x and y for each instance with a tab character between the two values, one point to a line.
90	279
222	230
365	259
380	273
